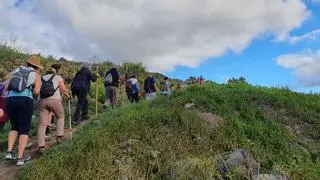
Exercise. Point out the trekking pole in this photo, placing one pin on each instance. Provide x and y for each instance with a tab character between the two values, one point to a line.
97	88
70	126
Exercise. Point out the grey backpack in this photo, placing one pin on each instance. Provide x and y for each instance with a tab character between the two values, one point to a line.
19	80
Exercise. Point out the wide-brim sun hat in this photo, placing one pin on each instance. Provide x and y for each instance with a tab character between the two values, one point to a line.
35	61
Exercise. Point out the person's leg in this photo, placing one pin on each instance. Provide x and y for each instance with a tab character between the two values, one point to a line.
136	97
84	115
153	95
12	110
45	114
107	100
131	98
25	118
57	109
76	115
113	97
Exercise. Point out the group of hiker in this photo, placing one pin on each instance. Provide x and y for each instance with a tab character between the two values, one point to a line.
199	80
25	85
18	94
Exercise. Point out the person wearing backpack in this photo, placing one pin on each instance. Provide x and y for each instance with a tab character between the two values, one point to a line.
201	81
51	101
165	90
150	87
24	85
3	97
56	67
133	88
111	84
80	87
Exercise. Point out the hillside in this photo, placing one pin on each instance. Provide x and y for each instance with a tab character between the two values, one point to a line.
186	135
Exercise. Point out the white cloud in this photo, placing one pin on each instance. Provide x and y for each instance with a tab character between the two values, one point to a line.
308	36
161	34
306	65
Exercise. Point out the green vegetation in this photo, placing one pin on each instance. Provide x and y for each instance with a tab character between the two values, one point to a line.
11	59
164	140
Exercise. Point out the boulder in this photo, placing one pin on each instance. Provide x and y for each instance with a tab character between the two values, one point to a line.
212	119
239	159
189	105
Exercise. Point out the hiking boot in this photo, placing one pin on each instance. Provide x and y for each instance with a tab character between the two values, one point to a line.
9	156
75	124
21	161
85	118
41	150
59	140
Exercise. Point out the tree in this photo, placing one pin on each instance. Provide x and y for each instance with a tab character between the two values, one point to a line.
241	80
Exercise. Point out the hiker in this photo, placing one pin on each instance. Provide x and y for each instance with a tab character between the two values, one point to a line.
111	84
201	81
51	102
133	88
179	86
51	125
80	87
150	87
3	96
165	90
194	82
24	85
127	88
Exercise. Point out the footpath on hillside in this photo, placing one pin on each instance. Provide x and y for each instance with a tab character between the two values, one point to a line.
8	169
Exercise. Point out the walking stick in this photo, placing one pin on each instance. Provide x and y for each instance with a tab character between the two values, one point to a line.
70	126
97	83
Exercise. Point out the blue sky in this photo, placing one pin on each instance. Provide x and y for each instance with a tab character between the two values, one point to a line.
269	42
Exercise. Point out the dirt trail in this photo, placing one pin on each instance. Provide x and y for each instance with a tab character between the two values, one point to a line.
8	169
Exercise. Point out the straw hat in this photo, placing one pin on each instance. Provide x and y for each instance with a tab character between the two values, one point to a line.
35	61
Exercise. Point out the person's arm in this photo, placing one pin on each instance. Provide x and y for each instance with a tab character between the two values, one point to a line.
1	113
92	76
37	84
64	89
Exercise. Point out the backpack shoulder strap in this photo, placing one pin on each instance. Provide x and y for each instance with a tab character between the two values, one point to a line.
51	78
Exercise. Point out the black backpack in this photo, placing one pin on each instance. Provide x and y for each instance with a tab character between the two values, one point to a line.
149	86
47	88
129	87
19	80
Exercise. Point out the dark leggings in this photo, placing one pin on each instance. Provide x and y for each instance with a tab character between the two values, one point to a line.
134	97
82	106
20	110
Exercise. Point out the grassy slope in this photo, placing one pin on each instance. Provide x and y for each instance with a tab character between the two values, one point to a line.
255	118
11	59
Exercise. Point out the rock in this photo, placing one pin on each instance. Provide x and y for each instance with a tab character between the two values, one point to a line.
154	154
212	119
96	122
189	105
271	177
239	159
123	177
127	146
117	162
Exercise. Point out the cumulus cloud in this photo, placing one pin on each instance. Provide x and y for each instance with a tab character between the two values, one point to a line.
161	34
306	65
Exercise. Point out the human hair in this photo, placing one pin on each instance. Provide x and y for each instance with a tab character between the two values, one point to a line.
85	65
51	71
33	66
